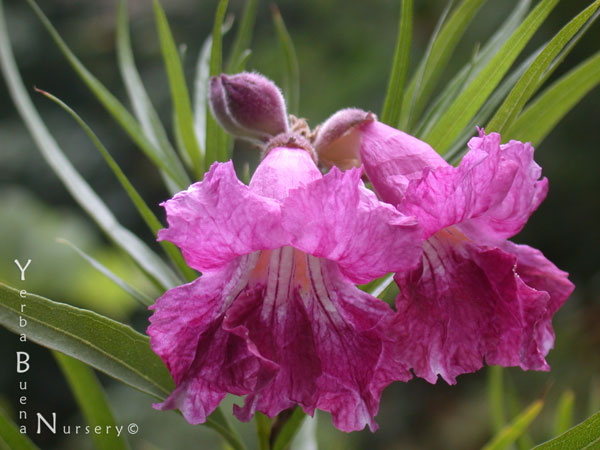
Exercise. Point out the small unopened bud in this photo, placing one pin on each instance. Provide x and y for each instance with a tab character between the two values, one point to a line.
248	105
338	141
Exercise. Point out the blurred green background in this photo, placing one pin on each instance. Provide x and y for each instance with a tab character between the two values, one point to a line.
345	50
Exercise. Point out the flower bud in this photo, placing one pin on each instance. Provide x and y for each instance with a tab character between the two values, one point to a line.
248	105
337	140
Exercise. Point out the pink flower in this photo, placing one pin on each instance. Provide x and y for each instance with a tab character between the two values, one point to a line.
275	316
475	295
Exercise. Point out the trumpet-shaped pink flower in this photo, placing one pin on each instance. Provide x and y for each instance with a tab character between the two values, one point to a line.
275	315
475	295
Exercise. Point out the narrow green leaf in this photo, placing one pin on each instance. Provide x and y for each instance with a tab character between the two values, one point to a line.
102	343
380	286
241	44
470	71
145	212
263	431
215	138
201	78
458	115
513	430
441	50
179	91
540	117
142	298
534	76
289	429
138	97
75	184
459	146
10	436
563	420
291	71
392	105
218	422
495	388
106	345
523	442
114	107
586	435
91	400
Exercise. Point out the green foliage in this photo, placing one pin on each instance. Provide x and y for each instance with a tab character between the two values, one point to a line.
77	186
216	141
537	72
138	97
291	71
142	298
462	110
240	51
540	117
563	419
432	66
392	105
184	118
586	436
115	108
145	212
289	429
91	399
11	438
516	428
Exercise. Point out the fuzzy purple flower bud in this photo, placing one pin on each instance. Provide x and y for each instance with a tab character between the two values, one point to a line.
248	105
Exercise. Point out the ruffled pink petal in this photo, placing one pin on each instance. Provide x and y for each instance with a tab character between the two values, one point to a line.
282	170
540	274
506	218
324	337
392	159
466	304
453	195
282	328
491	194
336	218
219	219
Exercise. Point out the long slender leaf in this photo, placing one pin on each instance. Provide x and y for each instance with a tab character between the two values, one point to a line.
179	91
289	429
441	52
202	75
563	419
392	105
474	96
138	97
243	37
291	70
215	137
459	146
409	97
513	430
263	431
75	184
136	294
102	343
91	400
114	107
11	438
495	387
586	436
106	345
145	212
480	58
540	117
534	76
